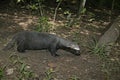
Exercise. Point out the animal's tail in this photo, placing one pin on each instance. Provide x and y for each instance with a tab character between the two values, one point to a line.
10	44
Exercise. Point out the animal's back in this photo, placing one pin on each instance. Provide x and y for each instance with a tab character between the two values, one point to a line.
36	40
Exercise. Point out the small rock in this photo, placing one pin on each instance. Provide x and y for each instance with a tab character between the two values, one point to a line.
52	65
10	71
28	67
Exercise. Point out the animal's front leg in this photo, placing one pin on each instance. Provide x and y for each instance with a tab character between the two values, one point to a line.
53	52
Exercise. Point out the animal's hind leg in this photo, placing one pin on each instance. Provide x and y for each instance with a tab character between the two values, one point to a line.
21	48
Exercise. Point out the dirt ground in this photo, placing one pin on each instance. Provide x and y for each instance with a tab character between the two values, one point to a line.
67	65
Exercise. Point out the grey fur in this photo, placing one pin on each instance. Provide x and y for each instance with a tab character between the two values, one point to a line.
28	40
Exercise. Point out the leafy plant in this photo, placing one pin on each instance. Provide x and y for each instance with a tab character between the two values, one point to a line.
110	65
21	67
25	74
74	78
2	72
83	11
43	25
69	21
94	48
76	37
34	5
48	74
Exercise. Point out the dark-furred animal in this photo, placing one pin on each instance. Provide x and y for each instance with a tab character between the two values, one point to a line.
29	40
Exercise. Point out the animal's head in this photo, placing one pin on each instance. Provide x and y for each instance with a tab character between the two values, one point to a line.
74	48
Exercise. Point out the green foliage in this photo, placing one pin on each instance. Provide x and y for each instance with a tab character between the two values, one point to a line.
94	48
21	67
58	0
76	37
18	1
35	5
70	20
83	11
48	74
74	78
43	25
32	7
2	70
110	65
67	12
90	14
24	73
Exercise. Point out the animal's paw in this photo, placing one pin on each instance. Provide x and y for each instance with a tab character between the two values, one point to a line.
77	54
55	55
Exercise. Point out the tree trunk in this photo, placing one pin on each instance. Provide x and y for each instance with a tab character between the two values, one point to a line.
111	35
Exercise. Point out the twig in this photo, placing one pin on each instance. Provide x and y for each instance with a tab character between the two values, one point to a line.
40	10
56	11
113	3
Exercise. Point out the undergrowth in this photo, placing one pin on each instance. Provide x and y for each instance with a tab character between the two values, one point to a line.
2	72
49	74
23	70
43	25
110	65
74	78
94	48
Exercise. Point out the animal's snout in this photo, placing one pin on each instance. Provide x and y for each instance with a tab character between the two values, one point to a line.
77	52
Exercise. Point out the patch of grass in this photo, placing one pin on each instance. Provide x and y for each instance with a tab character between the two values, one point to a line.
22	68
111	68
110	65
24	72
74	78
43	25
94	48
49	74
2	70
76	37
